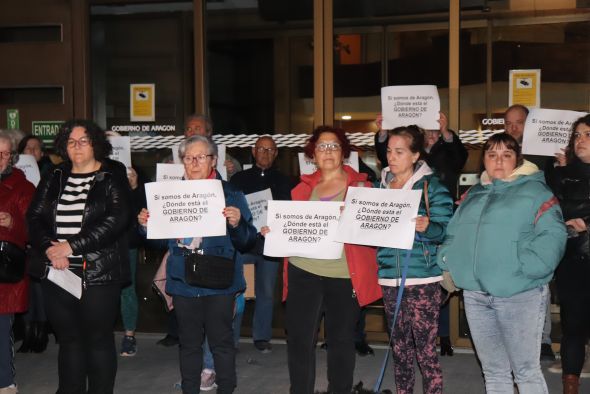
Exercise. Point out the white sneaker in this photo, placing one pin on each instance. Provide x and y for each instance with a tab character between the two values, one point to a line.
9	390
208	380
555	367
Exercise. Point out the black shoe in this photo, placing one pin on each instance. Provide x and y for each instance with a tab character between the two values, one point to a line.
446	349
363	349
41	337
263	346
28	338
168	340
324	346
547	353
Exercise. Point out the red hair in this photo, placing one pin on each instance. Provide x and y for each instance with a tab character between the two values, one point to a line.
309	148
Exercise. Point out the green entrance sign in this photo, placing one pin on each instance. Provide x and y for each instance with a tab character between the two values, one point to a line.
46	130
12	119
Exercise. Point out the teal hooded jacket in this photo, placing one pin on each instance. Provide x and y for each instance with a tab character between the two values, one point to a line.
422	263
506	237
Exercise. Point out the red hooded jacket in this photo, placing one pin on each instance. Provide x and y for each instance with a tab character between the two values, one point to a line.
362	260
15	196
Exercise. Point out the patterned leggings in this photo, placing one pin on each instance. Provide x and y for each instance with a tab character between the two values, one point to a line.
414	336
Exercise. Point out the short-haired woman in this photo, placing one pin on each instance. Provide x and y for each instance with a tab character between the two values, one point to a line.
78	221
501	248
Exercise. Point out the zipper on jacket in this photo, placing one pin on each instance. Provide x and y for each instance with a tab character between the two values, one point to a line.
477	236
353	293
399	274
84	264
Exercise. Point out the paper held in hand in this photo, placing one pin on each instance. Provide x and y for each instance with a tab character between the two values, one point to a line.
67	280
408	105
379	217
304	229
182	209
258	204
28	165
547	131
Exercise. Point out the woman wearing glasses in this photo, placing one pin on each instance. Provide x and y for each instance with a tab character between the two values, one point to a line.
77	221
336	288
15	195
203	311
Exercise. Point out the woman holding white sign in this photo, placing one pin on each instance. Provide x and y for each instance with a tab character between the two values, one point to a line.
501	248
336	288
415	331
204	308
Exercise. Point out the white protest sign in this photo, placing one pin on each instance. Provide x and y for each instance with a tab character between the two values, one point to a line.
121	150
307	166
258	204
175	156
221	162
547	131
169	172
182	209
407	105
28	165
304	229
379	217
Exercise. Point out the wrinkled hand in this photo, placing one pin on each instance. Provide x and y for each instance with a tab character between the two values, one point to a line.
264	230
578	224
422	223
232	215
143	217
5	219
229	166
58	251
132	177
61	263
560	158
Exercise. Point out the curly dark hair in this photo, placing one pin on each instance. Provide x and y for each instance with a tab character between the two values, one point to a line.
416	136
570	153
309	148
101	146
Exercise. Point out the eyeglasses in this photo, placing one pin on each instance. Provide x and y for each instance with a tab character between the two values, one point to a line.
82	142
578	134
327	147
200	159
262	149
6	154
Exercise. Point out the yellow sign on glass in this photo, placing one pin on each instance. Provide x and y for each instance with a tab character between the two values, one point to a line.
142	99
525	88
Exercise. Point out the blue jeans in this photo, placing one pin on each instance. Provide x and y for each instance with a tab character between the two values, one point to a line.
265	278
507	337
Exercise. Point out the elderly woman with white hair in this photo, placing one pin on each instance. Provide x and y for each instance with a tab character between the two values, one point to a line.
204	311
15	196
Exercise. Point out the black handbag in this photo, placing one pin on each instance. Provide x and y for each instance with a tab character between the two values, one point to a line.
12	262
211	272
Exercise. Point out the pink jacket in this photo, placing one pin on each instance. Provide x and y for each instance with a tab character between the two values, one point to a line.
362	260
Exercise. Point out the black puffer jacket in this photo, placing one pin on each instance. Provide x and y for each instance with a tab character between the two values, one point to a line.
102	240
571	185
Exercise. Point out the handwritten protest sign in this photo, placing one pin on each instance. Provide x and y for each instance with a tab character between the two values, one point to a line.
169	172
379	217
304	229
307	166
258	204
28	165
121	150
546	131
407	105
180	209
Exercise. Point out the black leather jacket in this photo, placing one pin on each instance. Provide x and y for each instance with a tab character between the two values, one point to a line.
102	240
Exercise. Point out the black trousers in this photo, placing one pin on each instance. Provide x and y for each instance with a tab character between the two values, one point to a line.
211	316
309	296
84	331
575	325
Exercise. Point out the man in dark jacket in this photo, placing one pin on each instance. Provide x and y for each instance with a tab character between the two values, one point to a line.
260	177
446	153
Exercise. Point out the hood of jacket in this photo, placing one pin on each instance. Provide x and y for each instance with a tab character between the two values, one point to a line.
526	168
422	169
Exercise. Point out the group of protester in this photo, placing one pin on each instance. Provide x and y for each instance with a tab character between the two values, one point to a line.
501	246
